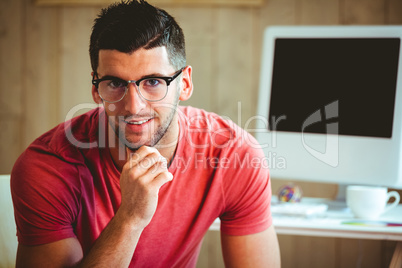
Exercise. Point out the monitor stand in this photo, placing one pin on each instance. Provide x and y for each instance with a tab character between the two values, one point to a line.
339	203
341	195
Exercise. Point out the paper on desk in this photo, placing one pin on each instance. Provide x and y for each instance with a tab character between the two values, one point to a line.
370	223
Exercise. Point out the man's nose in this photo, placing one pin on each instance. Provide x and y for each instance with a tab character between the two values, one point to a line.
133	101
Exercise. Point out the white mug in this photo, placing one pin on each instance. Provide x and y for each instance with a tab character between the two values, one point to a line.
369	202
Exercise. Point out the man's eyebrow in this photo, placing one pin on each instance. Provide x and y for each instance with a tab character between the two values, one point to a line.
111	77
142	77
153	75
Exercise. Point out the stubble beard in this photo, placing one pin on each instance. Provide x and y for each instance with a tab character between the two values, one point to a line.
157	136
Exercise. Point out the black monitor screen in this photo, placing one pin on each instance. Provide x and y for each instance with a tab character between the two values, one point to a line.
350	81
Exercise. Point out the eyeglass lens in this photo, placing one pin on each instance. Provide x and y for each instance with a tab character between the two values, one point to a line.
153	89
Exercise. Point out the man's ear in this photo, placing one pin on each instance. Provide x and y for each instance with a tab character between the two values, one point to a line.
187	84
95	95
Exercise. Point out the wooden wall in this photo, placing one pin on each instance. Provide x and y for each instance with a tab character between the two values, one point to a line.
45	72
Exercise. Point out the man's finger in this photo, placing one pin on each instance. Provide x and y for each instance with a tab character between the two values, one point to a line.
129	155
162	178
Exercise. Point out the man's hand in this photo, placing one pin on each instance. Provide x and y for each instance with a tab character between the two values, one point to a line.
144	173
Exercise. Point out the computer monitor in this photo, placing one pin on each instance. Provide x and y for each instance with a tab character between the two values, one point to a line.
330	104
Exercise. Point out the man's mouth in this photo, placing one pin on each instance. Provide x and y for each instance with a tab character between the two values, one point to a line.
137	122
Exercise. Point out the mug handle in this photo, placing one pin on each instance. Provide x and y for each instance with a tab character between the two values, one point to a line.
396	201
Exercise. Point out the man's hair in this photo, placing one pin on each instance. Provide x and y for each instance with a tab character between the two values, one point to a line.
130	25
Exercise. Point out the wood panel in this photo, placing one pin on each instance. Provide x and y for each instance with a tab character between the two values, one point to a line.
10	57
234	64
41	79
11	77
10	135
363	12
359	253
319	12
200	40
393	12
75	68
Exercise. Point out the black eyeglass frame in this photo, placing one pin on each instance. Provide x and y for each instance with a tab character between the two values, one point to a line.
168	80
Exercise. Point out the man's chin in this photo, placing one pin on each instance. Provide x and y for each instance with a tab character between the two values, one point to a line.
134	146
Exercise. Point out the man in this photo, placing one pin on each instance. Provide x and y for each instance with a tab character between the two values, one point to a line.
139	181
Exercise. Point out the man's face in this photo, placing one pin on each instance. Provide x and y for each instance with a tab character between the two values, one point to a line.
135	119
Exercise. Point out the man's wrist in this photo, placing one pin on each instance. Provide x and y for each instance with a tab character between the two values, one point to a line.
129	222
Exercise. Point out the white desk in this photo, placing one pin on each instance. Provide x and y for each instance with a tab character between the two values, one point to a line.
332	224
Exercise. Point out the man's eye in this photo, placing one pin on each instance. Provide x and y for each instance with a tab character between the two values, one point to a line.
116	83
152	82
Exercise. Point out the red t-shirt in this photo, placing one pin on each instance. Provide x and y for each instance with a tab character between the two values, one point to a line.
62	190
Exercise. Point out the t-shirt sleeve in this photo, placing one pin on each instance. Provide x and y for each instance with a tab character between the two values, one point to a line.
45	202
247	190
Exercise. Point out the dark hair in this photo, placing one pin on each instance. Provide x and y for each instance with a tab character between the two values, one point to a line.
130	25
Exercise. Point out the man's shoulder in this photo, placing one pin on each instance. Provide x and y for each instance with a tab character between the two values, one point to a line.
68	138
202	119
214	130
55	156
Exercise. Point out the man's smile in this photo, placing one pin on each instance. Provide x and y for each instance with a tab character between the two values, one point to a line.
137	122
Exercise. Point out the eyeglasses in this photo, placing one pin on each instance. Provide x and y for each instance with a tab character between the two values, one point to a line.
113	89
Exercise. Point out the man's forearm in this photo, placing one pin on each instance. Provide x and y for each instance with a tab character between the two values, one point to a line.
115	246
